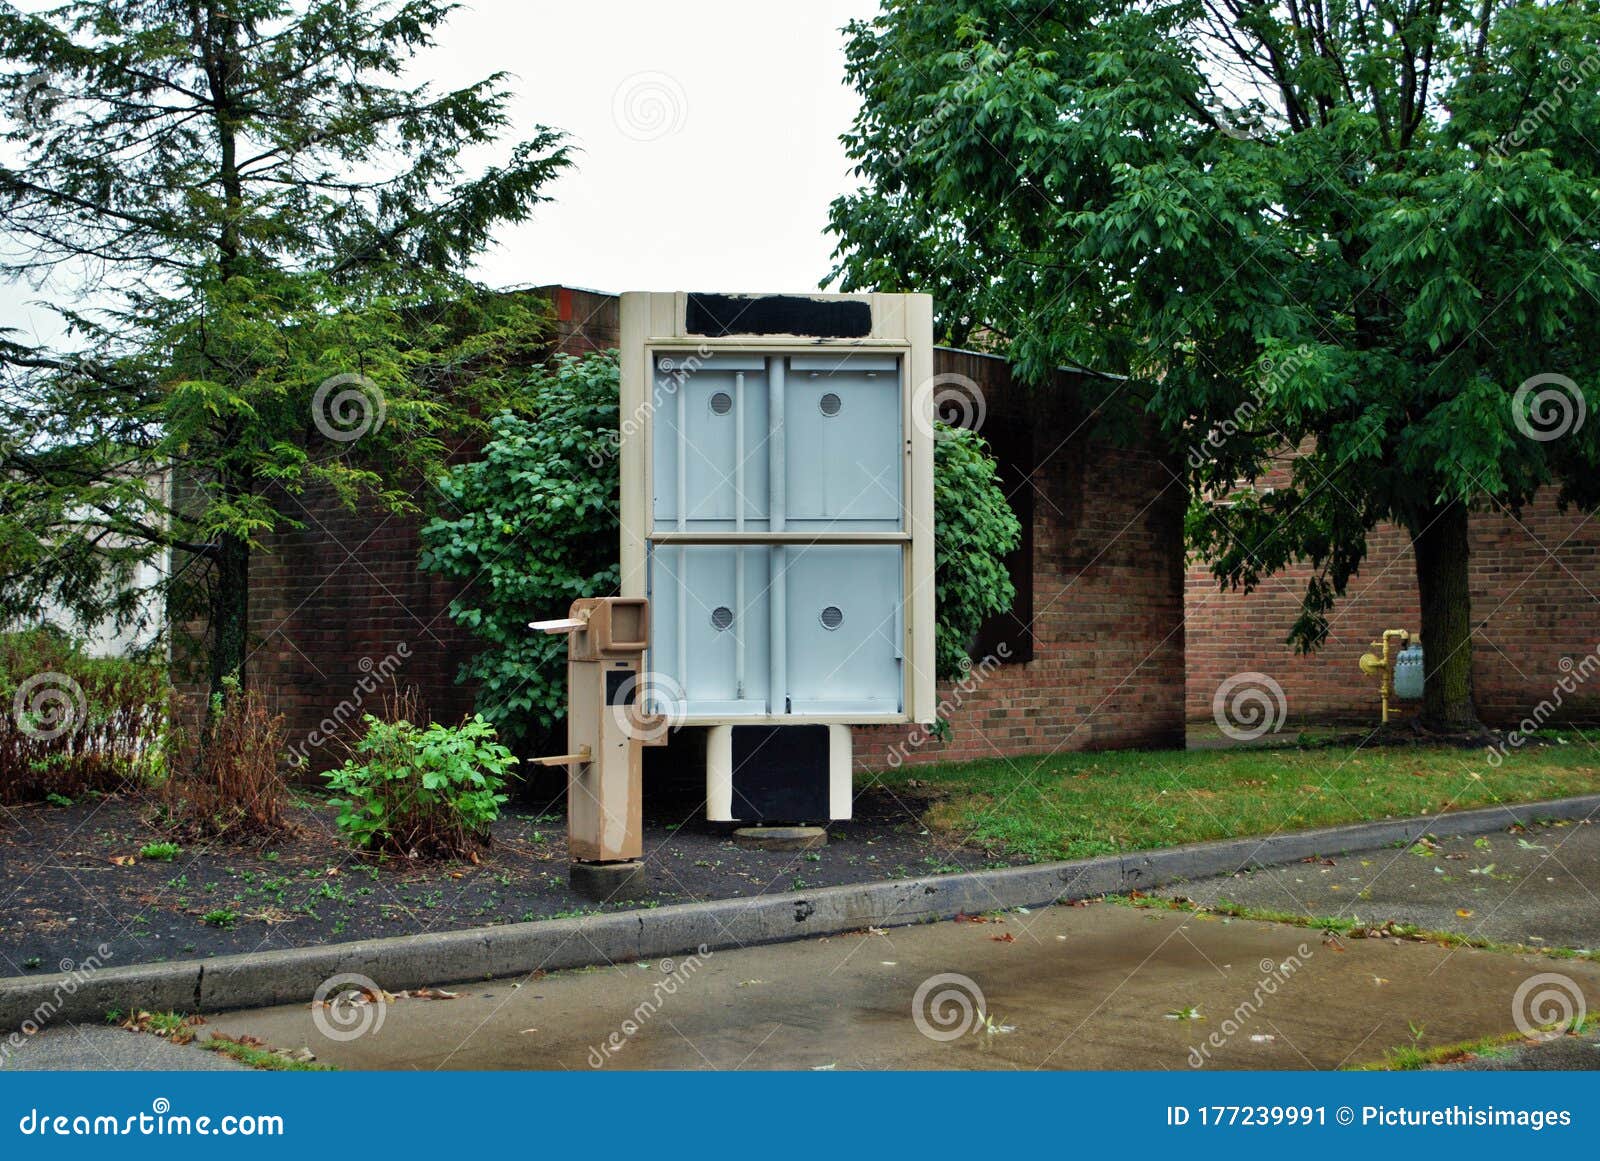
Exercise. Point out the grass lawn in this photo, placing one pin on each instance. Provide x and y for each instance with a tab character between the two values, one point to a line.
1074	805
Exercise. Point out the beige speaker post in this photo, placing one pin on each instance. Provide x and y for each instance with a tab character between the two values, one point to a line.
607	728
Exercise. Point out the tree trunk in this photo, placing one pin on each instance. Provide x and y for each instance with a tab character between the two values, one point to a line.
230	593
1439	540
230	613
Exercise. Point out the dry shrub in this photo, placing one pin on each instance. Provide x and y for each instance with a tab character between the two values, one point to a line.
71	724
404	704
233	788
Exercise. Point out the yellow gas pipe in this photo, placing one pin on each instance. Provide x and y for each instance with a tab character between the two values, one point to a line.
1383	667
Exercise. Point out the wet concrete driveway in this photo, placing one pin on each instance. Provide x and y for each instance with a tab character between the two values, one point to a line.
1099	986
1537	886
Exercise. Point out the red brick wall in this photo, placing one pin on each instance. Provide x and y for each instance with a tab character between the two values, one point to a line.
341	603
1107	609
1534	603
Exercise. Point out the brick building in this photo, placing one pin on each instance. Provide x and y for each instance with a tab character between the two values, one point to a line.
1535	612
1090	657
1111	643
1096	636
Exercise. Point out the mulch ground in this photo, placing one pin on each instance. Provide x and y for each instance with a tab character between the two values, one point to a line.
72	879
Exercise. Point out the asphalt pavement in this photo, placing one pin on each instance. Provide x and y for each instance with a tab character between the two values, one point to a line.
1101	985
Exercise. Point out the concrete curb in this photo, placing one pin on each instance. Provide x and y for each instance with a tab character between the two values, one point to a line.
281	977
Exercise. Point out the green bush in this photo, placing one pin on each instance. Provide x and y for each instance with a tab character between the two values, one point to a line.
71	723
974	530
422	792
532	525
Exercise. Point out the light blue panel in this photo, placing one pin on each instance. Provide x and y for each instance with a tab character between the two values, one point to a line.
698	623
843	443
702	401
844	629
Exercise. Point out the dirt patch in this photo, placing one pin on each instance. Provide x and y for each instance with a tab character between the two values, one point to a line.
72	879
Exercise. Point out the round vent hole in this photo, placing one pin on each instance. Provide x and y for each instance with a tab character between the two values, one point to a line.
721	618
830	404
721	403
832	617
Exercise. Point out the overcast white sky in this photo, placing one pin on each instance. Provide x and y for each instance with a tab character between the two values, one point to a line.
709	132
707	129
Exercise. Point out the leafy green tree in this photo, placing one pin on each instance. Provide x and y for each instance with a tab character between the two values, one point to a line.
252	234
533	525
1366	231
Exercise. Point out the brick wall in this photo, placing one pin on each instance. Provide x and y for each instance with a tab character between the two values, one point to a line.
1106	623
1534	604
340	611
1117	629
